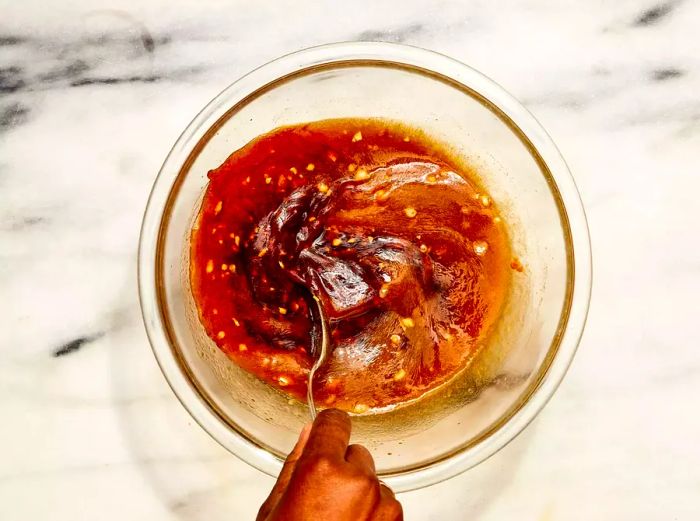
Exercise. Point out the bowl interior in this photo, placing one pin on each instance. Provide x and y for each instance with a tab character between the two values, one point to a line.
475	404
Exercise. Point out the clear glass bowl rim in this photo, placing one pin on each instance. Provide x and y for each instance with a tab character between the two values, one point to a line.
574	315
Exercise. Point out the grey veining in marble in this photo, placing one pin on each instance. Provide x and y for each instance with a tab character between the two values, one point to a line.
91	99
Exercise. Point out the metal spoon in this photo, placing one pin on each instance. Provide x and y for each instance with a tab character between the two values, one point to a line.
322	350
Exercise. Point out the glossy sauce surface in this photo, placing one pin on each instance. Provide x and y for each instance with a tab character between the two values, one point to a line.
406	254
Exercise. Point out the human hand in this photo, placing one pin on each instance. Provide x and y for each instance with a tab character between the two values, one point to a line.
324	478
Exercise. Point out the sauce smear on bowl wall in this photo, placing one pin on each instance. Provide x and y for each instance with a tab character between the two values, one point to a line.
406	253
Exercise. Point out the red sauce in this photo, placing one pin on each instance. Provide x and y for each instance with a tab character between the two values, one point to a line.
406	254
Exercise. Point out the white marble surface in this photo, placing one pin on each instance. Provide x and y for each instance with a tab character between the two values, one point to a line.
91	100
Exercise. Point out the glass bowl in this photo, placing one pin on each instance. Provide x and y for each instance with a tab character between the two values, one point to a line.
483	408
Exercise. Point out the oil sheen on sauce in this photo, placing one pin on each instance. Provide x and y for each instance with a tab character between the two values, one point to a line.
406	253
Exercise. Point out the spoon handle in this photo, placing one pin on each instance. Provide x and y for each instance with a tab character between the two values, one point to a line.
323	351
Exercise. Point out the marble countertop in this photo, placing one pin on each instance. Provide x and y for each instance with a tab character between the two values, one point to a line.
91	100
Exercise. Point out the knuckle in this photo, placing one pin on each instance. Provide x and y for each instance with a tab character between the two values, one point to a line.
360	451
393	510
362	483
323	465
395	507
